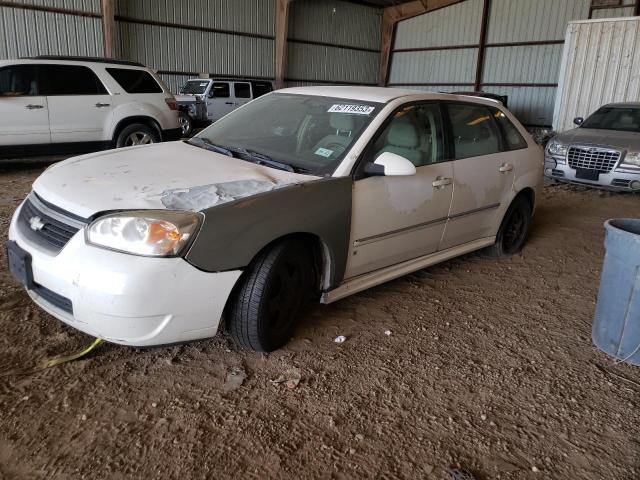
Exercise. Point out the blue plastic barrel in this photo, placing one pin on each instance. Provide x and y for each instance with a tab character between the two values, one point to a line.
616	325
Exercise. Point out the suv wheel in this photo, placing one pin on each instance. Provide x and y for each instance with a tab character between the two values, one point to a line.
514	229
137	134
264	309
186	125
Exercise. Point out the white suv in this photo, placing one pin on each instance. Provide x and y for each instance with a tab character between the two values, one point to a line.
72	104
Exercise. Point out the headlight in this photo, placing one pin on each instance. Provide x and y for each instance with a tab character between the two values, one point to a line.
632	158
557	149
155	233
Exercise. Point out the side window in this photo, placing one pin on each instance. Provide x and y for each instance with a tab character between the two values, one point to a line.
415	133
19	81
242	90
70	80
261	88
513	138
474	131
220	90
135	81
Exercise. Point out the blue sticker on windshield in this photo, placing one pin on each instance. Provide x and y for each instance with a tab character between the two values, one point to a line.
324	152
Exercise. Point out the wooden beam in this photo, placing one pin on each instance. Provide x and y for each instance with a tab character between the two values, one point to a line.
109	28
637	9
282	29
391	16
482	44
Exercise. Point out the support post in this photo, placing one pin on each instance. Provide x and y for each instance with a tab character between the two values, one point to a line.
109	28
482	45
282	28
637	10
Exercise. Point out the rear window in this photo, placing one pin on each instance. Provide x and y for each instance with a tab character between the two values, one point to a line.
135	81
70	80
242	90
261	88
514	140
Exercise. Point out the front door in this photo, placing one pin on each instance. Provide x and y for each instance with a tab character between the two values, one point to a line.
79	105
219	100
396	219
483	175
24	117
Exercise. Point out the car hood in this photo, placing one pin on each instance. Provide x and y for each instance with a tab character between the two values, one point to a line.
608	138
174	176
187	98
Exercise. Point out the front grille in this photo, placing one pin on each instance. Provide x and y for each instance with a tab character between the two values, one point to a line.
63	303
590	158
46	227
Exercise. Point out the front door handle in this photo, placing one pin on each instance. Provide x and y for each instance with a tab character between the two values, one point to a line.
442	182
228	103
102	105
34	107
505	167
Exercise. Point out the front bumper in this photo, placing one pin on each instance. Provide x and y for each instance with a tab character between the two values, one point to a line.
127	299
618	180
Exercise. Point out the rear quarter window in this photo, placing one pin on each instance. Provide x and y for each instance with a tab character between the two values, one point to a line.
135	81
513	138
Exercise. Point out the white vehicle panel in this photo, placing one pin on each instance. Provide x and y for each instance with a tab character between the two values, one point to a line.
80	118
24	121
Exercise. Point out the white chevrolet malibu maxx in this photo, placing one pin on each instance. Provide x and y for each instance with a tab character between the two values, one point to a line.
303	194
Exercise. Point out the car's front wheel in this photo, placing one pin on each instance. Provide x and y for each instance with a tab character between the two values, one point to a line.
264	308
137	134
514	229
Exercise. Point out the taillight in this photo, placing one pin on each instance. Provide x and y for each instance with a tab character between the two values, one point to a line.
171	103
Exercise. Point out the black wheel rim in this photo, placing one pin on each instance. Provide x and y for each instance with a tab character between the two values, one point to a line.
283	299
514	230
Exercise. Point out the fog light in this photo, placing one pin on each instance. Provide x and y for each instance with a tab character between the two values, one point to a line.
548	172
635	185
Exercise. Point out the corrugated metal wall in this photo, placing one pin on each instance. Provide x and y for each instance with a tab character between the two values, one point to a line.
333	42
25	32
601	65
522	58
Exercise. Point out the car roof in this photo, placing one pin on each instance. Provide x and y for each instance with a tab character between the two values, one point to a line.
382	94
62	60
623	105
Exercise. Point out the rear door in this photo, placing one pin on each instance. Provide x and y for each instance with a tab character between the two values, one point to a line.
483	174
24	117
79	104
242	93
220	101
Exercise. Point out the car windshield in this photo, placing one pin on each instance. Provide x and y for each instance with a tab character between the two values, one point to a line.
307	133
623	119
194	87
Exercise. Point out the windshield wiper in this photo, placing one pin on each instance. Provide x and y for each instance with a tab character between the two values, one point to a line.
262	159
208	145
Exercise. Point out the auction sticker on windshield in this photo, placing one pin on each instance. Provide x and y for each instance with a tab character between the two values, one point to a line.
355	109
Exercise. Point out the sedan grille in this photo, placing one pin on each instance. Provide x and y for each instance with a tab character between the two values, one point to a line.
47	226
589	158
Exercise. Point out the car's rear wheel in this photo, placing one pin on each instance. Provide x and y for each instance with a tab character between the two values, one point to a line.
264	308
514	229
186	125
137	134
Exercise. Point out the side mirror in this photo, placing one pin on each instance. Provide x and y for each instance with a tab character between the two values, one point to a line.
578	121
390	165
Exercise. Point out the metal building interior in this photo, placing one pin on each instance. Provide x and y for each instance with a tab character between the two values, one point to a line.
474	366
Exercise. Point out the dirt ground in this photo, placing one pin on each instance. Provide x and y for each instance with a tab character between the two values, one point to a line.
489	365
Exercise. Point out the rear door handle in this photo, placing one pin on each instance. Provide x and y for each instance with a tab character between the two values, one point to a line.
34	107
442	182
505	167
102	105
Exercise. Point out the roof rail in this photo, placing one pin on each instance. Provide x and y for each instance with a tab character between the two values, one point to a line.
85	59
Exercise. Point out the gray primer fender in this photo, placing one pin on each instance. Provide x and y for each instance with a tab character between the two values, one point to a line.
233	233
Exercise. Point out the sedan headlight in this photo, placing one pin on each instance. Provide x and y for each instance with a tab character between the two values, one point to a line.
557	149
155	233
632	158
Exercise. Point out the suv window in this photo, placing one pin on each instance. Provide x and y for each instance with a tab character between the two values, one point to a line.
220	90
242	90
135	81
261	88
513	138
474	131
19	81
70	80
415	133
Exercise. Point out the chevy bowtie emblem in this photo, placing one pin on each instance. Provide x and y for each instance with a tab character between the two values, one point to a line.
36	224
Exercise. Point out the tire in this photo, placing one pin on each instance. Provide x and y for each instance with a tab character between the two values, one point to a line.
186	124
264	307
137	134
514	229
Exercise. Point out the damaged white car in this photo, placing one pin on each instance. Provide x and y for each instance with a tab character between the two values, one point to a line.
303	194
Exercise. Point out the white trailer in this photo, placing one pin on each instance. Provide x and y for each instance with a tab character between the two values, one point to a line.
600	65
